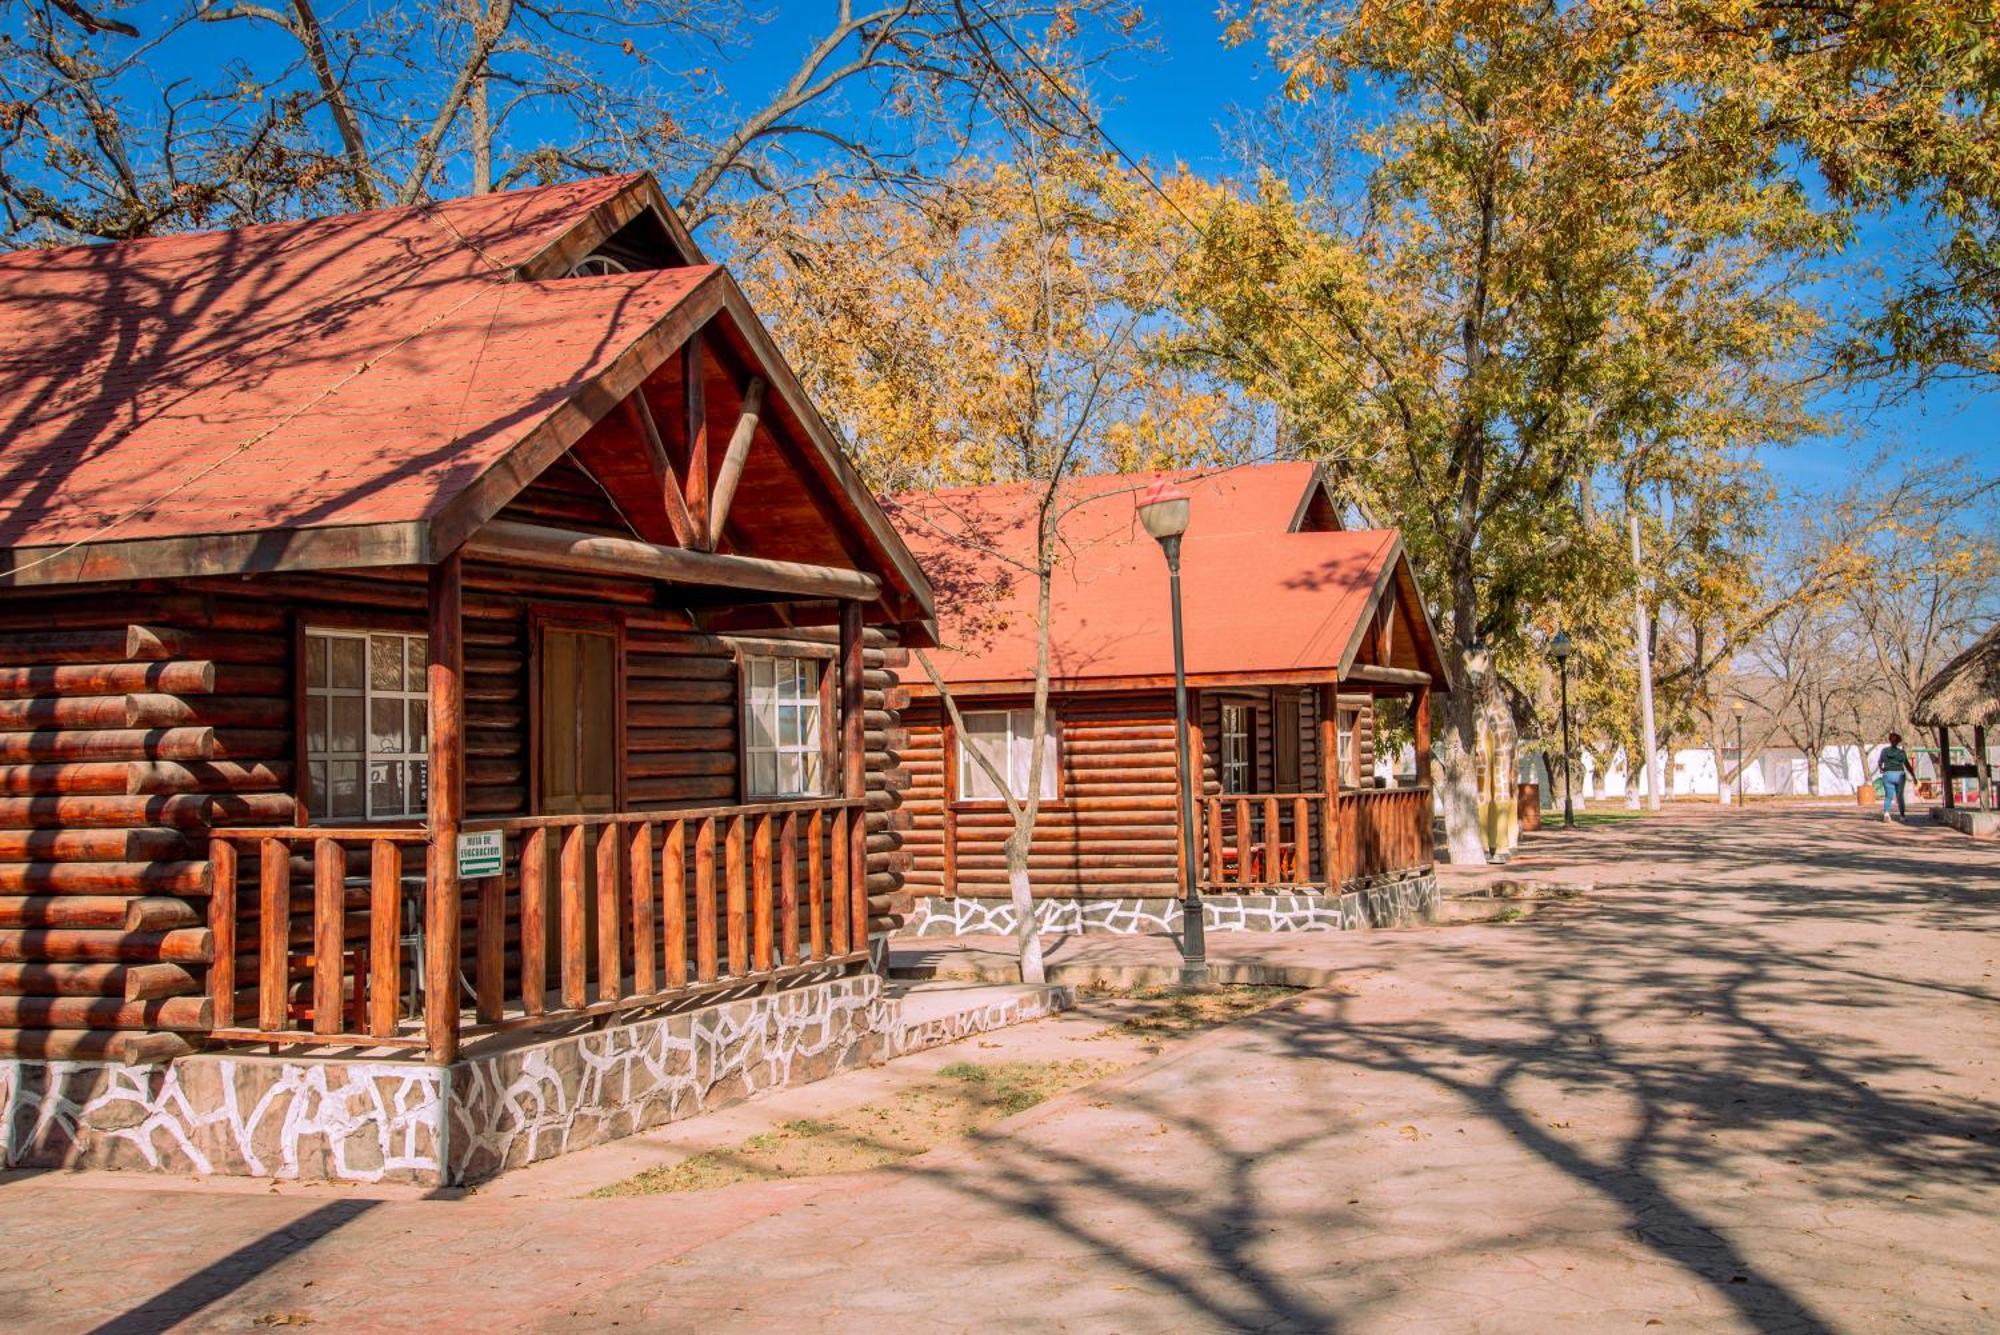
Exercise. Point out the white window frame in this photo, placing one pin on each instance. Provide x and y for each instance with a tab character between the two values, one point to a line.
1236	761
766	706
414	760
1020	742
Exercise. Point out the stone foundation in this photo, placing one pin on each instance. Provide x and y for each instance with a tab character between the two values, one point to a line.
328	1119
1395	903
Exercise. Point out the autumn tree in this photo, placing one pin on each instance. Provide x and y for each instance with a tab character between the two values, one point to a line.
1003	329
1531	284
135	117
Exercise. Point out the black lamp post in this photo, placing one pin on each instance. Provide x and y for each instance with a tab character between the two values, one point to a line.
1737	706
1163	509
1562	649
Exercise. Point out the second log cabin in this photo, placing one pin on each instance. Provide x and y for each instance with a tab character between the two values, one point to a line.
1307	641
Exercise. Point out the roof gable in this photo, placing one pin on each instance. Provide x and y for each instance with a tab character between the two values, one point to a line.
368	390
1259	598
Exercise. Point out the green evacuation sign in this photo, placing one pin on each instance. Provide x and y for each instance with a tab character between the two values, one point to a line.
481	853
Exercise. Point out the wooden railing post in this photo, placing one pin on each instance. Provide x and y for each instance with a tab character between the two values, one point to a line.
704	901
816	883
788	889
673	892
222	931
762	897
736	883
274	933
385	937
610	959
1215	841
534	921
569	904
446	807
639	862
329	934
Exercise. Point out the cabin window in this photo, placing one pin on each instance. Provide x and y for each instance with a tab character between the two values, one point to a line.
1238	752
367	723
596	265
1007	738
782	727
1349	759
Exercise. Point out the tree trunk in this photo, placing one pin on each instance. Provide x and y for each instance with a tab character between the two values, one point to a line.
1457	779
1028	939
1645	649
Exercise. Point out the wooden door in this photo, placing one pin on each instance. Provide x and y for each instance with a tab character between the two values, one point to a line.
578	760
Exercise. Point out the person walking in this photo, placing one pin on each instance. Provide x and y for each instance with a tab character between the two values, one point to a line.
1893	764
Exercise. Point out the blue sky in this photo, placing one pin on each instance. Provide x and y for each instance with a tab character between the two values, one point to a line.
1175	102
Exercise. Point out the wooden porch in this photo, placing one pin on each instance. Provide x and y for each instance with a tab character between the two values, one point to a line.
356	944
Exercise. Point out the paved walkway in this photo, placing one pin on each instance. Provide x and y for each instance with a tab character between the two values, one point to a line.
1749	1085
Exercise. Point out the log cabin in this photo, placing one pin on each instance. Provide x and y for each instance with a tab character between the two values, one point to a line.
421	627
1302	635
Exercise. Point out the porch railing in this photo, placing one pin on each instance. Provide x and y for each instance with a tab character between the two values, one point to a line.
1383	830
1267	841
1270	839
591	915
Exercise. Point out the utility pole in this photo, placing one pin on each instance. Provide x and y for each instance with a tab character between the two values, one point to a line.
1645	651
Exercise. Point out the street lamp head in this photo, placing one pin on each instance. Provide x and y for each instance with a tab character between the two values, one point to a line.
1163	509
1561	647
1737	707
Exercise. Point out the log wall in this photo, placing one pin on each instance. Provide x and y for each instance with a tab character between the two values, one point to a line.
135	718
1112	832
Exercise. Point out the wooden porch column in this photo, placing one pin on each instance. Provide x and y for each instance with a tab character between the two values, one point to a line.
446	807
1420	714
854	766
1944	763
1979	764
1329	771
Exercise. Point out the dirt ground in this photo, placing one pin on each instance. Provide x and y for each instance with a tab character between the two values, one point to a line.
1753	1087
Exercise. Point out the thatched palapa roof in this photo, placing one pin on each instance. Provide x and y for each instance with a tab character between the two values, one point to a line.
1967	691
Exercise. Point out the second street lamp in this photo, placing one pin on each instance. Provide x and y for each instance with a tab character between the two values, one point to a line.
1163	509
1562	649
1737	706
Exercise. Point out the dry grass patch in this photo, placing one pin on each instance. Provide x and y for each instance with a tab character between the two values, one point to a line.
961	1099
1191	1012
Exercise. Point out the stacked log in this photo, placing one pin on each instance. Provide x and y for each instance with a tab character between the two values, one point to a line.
129	726
1109	834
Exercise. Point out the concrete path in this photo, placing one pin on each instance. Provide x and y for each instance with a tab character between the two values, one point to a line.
1748	1085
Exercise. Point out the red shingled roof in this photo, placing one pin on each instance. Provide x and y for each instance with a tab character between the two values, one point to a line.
350	370
1257	596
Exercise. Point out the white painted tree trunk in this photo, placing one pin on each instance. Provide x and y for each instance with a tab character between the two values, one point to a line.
1645	651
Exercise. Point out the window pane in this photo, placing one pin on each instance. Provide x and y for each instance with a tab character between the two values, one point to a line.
760	676
315	660
788	725
420	738
419	654
419	785
791	774
763	774
343	789
345	734
385	787
316	724
811	780
385	662
347	654
316	772
760	724
385	726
